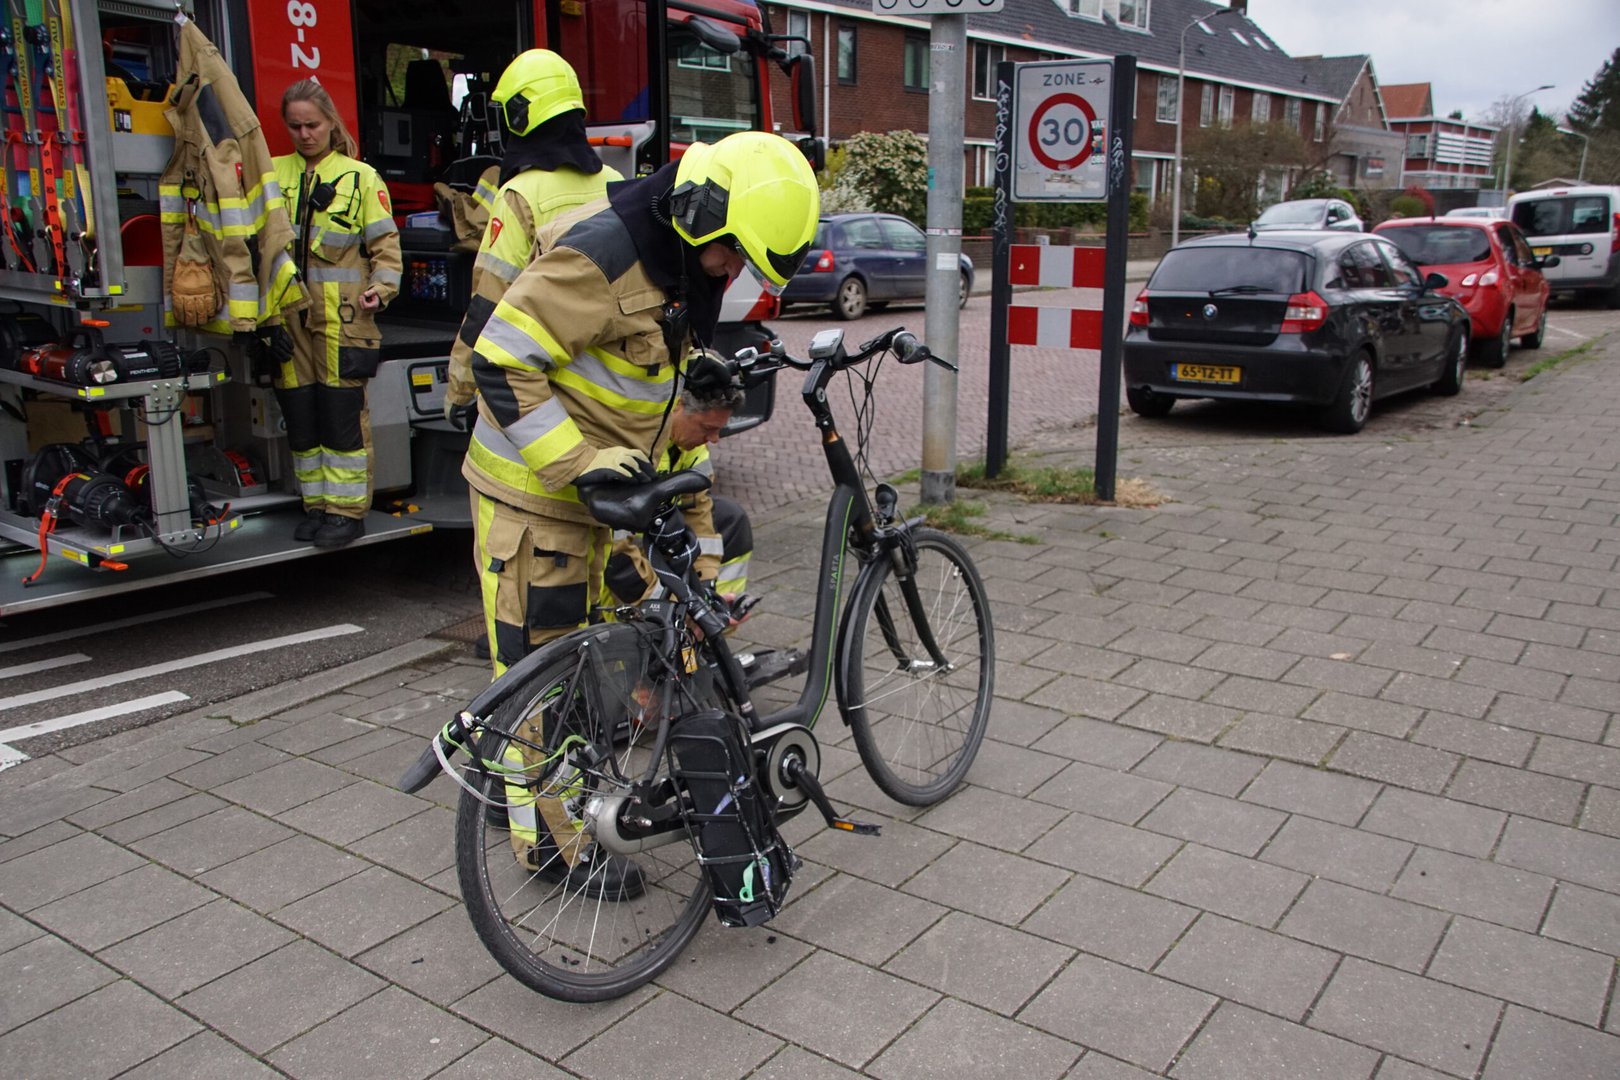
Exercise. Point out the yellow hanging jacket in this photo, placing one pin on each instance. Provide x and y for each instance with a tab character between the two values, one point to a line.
221	175
523	204
342	250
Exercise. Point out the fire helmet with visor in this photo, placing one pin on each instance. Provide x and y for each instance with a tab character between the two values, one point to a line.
755	191
537	85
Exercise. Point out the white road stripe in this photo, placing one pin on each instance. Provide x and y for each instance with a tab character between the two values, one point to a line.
10	757
65	660
133	620
181	664
88	716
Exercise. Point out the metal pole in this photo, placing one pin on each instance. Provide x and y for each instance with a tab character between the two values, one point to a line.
947	66
1113	311
1513	127
1586	141
995	434
1181	116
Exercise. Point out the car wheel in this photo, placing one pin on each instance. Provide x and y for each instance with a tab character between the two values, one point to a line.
851	301
1493	352
1534	339
963	291
1451	379
1348	413
1146	403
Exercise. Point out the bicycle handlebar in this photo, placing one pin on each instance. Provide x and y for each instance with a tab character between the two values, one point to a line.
827	348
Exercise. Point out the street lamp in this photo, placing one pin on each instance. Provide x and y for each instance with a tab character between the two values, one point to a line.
1181	113
1513	126
1586	141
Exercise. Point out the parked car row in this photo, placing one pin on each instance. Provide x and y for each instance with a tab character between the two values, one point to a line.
861	262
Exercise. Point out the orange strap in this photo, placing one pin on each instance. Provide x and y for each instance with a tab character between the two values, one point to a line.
47	525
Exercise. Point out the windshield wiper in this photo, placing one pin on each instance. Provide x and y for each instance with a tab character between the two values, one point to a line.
1244	289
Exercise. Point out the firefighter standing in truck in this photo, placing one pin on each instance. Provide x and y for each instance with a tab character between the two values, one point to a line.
576	369
548	169
346	246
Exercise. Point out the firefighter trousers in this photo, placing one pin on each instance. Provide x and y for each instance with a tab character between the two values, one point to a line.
328	423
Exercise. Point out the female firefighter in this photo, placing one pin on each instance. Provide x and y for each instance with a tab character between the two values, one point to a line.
347	250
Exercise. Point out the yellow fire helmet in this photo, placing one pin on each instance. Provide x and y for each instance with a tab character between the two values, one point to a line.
754	190
536	85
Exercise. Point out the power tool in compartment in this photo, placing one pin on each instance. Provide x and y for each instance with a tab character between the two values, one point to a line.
82	358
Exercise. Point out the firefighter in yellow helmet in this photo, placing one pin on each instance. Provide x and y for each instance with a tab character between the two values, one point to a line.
576	368
347	250
548	168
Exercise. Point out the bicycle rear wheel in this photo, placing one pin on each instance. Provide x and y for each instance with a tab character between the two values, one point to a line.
918	722
569	932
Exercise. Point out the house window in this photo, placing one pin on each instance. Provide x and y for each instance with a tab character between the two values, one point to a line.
1206	110
1260	112
915	73
1091	9
1133	13
1228	99
1321	122
1291	113
1167	100
798	25
695	54
846	54
1417	146
985	59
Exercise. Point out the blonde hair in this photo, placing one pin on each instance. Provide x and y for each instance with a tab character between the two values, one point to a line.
313	92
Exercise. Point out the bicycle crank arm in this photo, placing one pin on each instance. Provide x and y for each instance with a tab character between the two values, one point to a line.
806	781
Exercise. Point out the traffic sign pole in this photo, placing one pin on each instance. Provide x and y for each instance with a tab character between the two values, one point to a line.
1000	390
1119	224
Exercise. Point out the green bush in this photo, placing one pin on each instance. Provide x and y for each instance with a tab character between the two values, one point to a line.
979	209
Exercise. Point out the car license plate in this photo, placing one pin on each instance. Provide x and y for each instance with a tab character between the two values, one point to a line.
1205	373
1541	252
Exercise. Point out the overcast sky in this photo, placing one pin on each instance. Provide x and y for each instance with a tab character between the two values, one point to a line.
1473	52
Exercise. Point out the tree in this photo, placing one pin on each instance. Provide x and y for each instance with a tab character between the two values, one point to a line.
1228	163
883	172
1597	109
1541	153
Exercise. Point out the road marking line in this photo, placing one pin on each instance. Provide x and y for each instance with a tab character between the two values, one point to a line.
88	716
43	665
133	620
198	660
10	757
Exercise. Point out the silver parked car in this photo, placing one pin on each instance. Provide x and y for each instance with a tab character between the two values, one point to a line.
1311	214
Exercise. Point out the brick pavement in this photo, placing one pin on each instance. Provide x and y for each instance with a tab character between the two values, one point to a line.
1312	771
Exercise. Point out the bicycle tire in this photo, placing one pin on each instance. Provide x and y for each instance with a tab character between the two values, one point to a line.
542	925
918	729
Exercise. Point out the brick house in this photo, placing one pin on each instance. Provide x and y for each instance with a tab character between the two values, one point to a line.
1362	150
1440	152
874	71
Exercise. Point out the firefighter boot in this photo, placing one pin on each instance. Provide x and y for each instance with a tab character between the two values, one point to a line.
595	874
339	531
313	520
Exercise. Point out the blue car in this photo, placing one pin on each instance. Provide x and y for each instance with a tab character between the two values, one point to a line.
861	262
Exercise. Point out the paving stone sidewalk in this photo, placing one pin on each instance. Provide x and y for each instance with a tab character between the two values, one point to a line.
1313	771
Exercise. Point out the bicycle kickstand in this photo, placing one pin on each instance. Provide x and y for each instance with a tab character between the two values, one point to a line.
804	779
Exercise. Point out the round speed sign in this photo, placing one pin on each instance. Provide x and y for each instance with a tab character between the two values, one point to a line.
1060	131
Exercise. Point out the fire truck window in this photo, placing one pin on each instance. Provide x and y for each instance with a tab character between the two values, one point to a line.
711	94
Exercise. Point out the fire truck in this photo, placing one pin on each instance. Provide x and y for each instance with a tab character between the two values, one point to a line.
136	453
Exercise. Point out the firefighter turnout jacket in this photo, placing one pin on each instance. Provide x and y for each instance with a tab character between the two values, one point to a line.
344	242
221	178
526	202
571	360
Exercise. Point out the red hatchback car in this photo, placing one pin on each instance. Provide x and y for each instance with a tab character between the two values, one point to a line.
1492	273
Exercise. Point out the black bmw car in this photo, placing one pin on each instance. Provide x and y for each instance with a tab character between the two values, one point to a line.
1328	320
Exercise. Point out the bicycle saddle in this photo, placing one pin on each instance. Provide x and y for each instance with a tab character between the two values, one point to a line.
632	505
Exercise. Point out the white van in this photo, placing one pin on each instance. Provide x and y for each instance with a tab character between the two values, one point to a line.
1581	225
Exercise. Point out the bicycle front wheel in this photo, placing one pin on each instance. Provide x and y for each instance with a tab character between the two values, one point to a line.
557	909
917	670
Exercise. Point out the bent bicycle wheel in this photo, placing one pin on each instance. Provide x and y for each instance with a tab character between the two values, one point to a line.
917	670
557	908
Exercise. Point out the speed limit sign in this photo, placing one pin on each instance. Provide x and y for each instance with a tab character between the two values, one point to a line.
1061	129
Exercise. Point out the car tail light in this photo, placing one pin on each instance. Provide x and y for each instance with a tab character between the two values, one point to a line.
824	264
1139	310
1470	281
1305	311
1614	246
1489	278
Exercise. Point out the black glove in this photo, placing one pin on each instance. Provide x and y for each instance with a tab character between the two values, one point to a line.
461	416
267	348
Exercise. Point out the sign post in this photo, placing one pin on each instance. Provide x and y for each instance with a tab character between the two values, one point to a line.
1063	134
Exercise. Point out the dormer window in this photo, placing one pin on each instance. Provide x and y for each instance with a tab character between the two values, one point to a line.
1241	40
1130	14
